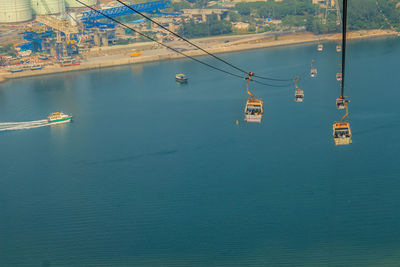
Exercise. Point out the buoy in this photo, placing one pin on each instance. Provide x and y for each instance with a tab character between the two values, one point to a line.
237	122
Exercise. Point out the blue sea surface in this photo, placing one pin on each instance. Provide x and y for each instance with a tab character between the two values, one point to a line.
155	173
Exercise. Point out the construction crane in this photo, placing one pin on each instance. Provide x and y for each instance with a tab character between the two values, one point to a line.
90	18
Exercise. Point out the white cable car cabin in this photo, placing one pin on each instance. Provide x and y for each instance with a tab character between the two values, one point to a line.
341	102
342	133
253	111
341	130
313	72
320	47
339	76
299	95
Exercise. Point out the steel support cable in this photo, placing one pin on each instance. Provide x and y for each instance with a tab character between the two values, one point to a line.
273	79
171	48
198	47
154	40
344	31
282	85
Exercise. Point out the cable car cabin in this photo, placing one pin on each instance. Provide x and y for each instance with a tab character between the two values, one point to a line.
339	76
340	103
299	95
338	48
253	111
320	47
313	72
342	133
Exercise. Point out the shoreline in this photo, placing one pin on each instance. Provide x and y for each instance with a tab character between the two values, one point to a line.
234	44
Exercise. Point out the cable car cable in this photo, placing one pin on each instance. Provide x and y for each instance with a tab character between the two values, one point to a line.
154	40
198	47
173	49
344	31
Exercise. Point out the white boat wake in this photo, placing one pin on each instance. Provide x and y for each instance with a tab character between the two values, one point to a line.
13	126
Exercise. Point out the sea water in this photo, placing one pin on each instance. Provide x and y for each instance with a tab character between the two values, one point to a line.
155	173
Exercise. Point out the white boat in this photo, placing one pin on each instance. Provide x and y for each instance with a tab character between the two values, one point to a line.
58	117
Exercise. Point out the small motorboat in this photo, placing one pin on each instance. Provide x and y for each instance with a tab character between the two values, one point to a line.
181	78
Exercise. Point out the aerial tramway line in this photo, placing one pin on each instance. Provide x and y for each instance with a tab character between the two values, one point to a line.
341	130
253	105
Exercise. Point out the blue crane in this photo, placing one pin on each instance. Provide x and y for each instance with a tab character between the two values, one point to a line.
89	18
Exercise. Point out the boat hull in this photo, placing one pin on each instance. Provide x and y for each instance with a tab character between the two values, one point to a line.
181	80
63	120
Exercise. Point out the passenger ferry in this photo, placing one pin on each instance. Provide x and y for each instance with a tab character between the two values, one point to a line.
69	62
180	78
58	117
37	67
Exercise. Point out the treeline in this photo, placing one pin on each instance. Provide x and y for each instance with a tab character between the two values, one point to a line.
212	26
276	10
362	14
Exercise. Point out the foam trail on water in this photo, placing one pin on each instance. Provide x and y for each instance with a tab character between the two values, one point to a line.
13	126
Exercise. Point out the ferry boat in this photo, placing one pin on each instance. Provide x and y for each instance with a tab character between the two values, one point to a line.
36	67
180	78
69	62
43	57
58	117
16	70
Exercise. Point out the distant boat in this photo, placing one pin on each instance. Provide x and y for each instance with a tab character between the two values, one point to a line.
69	62
180	78
36	67
42	57
58	117
16	70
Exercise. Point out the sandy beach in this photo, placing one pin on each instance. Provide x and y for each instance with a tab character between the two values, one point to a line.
120	55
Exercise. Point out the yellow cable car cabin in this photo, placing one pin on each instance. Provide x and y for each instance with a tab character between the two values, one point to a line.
342	133
341	103
253	111
313	72
339	76
338	48
299	95
320	47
